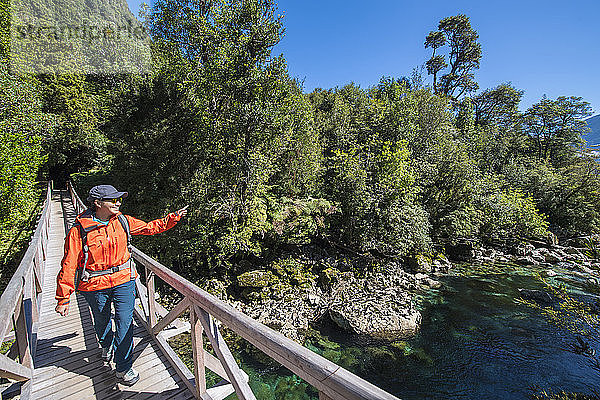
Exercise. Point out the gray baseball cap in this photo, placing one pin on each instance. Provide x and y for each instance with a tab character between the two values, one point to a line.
105	192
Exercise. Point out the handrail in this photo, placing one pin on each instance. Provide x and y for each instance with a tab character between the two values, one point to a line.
332	381
20	303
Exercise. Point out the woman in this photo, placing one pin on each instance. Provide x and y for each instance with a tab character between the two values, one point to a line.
97	262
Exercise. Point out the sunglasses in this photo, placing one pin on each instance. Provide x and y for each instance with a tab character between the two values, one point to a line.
114	201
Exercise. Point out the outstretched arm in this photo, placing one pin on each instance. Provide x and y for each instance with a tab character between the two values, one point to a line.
139	227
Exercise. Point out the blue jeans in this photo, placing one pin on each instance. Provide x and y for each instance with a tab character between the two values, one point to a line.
123	298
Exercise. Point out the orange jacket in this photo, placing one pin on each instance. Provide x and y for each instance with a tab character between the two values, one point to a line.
107	248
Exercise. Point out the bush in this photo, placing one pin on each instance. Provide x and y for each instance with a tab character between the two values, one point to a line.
23	128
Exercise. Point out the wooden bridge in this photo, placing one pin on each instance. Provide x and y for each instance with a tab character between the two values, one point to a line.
54	357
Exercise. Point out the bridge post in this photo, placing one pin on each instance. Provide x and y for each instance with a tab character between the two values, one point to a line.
22	334
198	353
151	300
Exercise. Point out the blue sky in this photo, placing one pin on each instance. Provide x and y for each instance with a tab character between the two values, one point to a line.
542	47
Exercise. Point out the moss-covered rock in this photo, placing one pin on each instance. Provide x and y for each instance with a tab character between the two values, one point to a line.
216	288
256	279
294	272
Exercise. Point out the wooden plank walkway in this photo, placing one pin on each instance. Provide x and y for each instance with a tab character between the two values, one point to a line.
68	363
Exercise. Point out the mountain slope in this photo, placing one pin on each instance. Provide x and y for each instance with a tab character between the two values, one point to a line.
593	137
92	37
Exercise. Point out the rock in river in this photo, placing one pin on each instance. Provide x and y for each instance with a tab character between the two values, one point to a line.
375	305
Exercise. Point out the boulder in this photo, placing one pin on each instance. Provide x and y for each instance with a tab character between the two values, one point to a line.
524	249
441	264
328	277
313	299
551	256
537	256
377	305
573	250
290	314
216	288
376	322
566	265
420	263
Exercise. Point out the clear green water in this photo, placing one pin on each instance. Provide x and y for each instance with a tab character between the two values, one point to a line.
475	343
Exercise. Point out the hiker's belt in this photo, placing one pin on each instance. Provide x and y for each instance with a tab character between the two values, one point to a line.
87	274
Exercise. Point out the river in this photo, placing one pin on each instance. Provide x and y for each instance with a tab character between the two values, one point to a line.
475	342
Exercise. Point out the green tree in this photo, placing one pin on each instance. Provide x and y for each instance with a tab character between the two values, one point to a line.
567	195
367	141
556	127
499	106
219	125
78	144
23	128
464	56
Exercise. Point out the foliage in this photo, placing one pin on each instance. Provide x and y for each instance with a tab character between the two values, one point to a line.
512	214
556	126
368	169
591	248
5	347
567	195
463	58
220	126
23	127
388	171
298	221
77	144
498	106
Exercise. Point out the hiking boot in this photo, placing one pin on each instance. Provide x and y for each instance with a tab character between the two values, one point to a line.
107	353
128	377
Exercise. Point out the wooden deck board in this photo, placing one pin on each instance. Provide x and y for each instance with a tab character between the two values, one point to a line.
90	368
68	363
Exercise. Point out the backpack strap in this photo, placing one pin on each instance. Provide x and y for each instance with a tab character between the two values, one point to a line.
83	275
125	224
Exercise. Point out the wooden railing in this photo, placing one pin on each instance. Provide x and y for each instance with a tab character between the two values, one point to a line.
20	305
332	381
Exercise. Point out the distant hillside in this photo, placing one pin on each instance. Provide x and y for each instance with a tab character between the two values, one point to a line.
93	37
594	136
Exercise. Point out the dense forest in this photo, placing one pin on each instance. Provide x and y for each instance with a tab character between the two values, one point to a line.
406	168
393	170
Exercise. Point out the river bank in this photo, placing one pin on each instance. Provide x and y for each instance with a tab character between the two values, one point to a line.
377	299
471	339
475	341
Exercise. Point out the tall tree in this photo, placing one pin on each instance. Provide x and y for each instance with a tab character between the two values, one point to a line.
219	125
556	126
464	56
78	144
499	106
